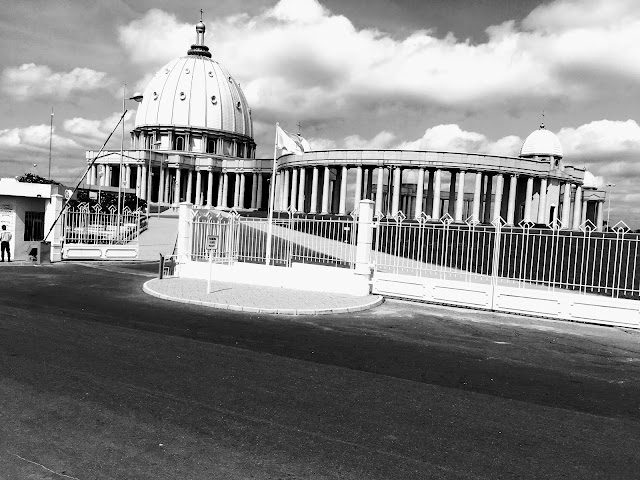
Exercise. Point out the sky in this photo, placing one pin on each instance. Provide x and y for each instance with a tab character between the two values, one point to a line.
464	75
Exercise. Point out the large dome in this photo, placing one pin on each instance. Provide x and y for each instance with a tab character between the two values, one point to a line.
542	143
195	91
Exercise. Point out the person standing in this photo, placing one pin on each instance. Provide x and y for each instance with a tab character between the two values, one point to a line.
5	238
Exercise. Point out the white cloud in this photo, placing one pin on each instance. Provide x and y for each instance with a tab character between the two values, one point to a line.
156	38
601	140
382	140
299	56
92	132
32	81
33	138
452	138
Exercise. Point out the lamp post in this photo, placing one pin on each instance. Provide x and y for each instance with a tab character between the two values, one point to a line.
609	186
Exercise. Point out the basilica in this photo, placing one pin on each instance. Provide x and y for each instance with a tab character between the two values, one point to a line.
193	142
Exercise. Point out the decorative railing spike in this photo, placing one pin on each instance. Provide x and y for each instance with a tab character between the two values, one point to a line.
499	222
587	226
556	224
379	215
472	221
527	225
423	218
446	219
621	227
400	216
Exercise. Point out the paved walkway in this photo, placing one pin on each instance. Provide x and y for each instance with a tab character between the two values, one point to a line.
251	298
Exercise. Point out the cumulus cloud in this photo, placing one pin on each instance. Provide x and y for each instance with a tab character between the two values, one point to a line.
451	138
33	138
156	38
32	81
299	55
92	131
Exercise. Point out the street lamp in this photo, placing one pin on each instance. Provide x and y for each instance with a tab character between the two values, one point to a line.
609	186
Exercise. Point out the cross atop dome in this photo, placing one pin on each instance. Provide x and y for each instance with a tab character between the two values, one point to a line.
200	49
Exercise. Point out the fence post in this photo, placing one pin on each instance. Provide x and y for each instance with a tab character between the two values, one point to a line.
55	237
183	248
364	238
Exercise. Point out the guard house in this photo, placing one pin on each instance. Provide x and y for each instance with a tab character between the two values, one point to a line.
28	210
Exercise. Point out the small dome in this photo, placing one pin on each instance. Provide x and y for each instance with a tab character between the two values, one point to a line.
543	143
590	181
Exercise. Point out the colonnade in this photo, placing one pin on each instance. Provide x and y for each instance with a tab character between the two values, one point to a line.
511	197
173	185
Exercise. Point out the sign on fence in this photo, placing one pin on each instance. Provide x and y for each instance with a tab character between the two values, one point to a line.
212	242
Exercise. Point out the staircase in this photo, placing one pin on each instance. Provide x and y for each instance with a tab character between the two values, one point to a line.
159	237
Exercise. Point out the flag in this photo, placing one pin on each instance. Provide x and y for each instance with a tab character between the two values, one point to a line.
290	143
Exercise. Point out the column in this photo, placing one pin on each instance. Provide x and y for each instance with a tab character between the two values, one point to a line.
497	204
225	190
243	186
429	203
477	189
189	185
167	182
419	192
301	186
143	183
198	187
210	190
460	197
285	190
127	179
527	200
542	204
220	188
584	211
511	208
138	181
358	190
314	191
600	216
577	202
487	199
236	191
566	206
435	213
452	193
379	190
397	185
325	191
259	191
254	191
343	191
294	189
176	190
161	185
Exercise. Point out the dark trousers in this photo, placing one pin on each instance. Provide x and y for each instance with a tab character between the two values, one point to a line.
5	246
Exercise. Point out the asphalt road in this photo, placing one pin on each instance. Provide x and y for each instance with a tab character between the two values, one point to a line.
100	381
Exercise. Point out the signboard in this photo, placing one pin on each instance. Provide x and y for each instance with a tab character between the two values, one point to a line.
212	242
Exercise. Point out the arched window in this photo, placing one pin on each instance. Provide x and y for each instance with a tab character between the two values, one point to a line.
211	145
178	143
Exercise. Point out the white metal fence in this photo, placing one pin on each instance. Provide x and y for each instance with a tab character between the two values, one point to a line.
91	226
294	239
525	257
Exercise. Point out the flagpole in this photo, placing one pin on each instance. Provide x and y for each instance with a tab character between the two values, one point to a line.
272	196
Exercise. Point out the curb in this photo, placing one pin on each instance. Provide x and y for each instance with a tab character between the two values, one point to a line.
273	311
